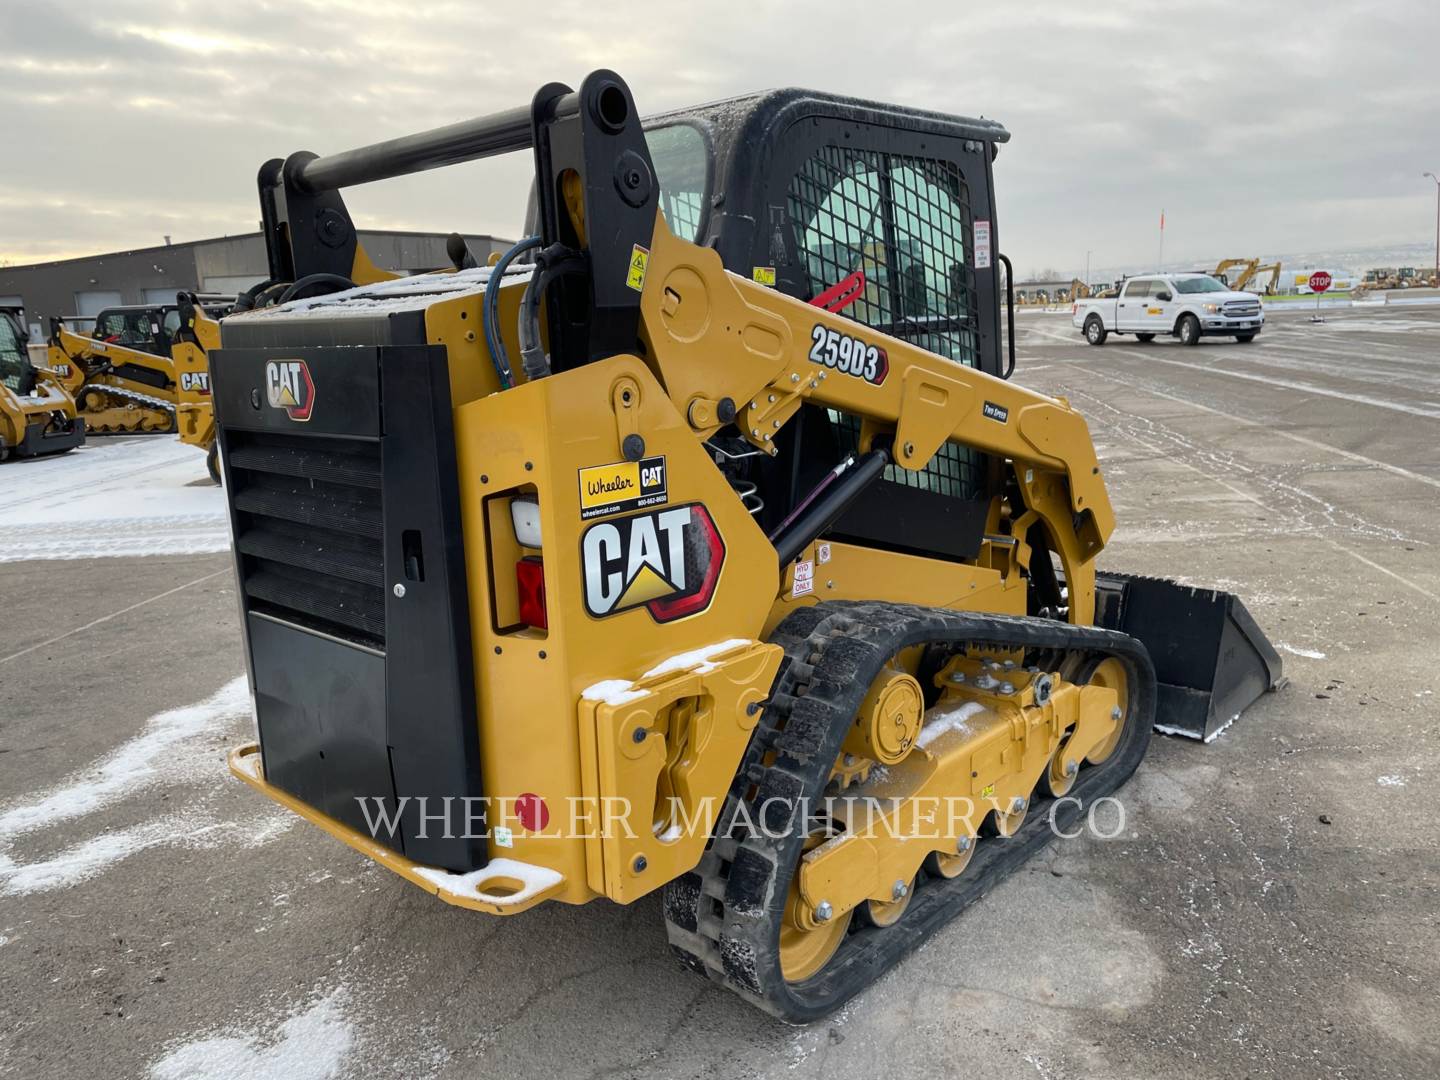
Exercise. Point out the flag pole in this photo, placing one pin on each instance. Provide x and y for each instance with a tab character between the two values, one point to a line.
1160	262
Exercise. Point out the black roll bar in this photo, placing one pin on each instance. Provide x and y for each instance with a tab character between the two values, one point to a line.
468	140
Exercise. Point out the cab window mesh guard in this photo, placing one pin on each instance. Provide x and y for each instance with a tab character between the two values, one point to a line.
905	222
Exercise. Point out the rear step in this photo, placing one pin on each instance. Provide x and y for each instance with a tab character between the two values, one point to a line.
1211	659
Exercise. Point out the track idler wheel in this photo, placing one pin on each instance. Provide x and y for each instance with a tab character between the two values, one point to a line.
808	939
1110	673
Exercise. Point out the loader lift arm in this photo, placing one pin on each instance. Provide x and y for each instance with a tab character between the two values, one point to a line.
598	207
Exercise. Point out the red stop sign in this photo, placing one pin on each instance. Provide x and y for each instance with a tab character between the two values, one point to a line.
1319	281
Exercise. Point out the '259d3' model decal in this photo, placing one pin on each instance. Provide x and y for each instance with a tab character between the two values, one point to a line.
848	355
667	560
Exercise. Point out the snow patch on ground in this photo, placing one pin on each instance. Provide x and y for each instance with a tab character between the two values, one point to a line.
176	747
1166	729
1309	654
149	757
1390	781
112	497
309	1045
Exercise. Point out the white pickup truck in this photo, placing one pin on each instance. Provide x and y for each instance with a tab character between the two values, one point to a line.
1189	306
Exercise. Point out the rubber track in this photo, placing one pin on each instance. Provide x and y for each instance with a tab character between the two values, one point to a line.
134	397
723	918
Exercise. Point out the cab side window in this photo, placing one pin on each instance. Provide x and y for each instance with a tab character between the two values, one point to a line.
15	370
682	165
111	326
1138	288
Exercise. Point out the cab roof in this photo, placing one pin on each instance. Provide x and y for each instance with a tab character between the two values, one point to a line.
752	115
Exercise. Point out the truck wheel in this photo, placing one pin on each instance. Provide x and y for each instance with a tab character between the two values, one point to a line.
1095	332
1144	338
1189	330
1244	339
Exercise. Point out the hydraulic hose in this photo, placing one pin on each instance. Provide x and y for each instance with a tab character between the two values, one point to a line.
246	300
310	281
532	352
491	315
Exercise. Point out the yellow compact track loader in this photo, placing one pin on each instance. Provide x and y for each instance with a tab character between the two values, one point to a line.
197	333
37	413
143	369
702	544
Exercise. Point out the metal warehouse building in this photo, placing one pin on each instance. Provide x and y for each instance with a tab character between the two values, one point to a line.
225	264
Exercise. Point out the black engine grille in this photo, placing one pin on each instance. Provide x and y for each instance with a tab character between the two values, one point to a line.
308	531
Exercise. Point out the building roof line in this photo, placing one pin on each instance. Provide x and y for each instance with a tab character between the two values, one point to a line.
417	233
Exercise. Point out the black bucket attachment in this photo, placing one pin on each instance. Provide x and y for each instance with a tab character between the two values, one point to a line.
1211	659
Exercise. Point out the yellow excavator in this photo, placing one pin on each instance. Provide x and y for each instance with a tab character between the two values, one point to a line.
1273	285
692	547
1248	270
37	413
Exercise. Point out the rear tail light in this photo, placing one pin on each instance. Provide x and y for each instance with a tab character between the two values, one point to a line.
530	583
525	517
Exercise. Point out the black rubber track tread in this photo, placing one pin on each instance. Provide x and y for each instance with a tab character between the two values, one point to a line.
723	918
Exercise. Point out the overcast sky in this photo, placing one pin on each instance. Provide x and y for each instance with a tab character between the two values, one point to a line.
1259	128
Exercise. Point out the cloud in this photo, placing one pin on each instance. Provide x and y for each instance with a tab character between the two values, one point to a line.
1258	128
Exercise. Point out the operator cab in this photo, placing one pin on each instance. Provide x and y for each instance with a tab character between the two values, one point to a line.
149	328
16	372
882	214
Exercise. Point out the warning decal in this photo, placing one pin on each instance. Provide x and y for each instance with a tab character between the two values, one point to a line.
639	263
982	245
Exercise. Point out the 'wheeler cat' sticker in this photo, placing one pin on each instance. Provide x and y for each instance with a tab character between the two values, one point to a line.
625	485
848	355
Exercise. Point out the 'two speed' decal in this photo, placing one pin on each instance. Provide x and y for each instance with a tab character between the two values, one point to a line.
665	560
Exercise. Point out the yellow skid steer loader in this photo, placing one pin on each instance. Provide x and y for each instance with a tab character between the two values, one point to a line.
143	369
702	544
37	413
